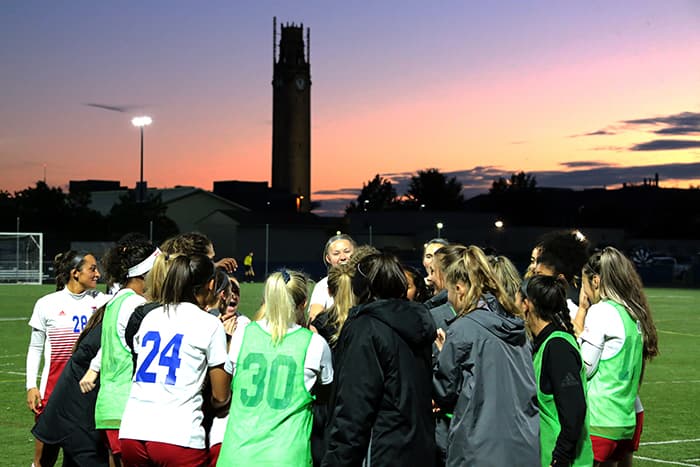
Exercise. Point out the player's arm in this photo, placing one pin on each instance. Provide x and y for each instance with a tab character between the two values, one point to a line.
36	347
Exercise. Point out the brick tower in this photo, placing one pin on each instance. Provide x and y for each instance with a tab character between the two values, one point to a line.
291	115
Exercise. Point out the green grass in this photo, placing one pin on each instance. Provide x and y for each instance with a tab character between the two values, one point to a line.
670	393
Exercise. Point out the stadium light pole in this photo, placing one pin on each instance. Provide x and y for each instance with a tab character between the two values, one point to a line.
141	122
439	226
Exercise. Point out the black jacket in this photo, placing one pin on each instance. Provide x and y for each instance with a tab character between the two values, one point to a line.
381	405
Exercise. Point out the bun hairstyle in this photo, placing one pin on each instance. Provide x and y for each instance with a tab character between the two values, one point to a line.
473	269
65	263
379	276
548	295
186	278
285	293
129	251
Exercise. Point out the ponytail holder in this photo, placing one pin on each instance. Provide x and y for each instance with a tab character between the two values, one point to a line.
285	275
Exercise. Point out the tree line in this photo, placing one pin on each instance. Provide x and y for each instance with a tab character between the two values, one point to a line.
430	189
65	217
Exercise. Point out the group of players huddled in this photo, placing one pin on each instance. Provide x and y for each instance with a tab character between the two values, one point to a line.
469	366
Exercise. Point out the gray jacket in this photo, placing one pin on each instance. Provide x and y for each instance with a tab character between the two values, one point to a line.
485	378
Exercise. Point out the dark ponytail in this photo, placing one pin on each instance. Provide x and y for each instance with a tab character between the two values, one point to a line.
548	295
64	263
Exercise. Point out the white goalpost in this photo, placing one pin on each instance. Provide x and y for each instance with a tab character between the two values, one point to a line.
21	257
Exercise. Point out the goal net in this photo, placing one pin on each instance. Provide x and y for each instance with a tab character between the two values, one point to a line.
21	255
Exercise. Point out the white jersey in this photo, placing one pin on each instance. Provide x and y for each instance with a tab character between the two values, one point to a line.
61	316
320	295
603	335
175	349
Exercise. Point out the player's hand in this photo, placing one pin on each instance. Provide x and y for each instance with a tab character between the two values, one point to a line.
34	400
87	382
227	264
440	339
230	324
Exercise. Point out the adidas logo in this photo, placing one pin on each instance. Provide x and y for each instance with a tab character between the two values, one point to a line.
569	381
62	313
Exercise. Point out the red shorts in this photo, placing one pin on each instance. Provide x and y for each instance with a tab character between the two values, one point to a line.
638	431
605	449
214	454
136	452
112	437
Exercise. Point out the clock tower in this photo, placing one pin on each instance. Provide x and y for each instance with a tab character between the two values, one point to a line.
291	115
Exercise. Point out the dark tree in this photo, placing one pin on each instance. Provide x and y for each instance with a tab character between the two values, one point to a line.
128	215
519	182
432	190
377	194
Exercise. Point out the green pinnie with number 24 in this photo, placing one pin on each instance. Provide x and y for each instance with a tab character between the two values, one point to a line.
270	417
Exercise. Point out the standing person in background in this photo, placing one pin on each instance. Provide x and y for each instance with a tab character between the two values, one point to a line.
178	345
57	321
249	273
561	376
484	374
380	408
276	366
563	253
429	249
338	250
618	339
417	289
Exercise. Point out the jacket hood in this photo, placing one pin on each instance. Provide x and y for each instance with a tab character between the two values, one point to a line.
498	322
410	320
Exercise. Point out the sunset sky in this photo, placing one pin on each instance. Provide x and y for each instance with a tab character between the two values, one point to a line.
580	94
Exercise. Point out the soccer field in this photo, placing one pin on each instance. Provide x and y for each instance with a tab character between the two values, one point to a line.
670	392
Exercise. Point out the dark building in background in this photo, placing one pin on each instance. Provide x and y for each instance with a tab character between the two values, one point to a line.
291	115
83	186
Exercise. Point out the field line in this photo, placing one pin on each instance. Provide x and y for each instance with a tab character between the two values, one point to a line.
672	382
11	356
672	441
677	333
13	373
661	461
13	319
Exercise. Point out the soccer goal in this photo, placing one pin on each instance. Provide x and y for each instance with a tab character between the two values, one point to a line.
21	257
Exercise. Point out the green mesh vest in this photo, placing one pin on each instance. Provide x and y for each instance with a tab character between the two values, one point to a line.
115	372
549	418
270	418
613	387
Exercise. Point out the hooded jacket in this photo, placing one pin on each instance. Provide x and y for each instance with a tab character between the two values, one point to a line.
381	409
485	378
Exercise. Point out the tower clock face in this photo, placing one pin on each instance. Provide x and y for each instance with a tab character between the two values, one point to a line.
300	83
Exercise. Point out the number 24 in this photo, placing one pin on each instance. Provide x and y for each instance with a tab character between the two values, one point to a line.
170	361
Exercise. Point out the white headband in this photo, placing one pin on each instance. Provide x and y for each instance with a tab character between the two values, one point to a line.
144	266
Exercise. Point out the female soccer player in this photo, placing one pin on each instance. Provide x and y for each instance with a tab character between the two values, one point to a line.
56	322
618	339
380	408
275	365
177	344
127	264
69	420
338	250
484	374
561	376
